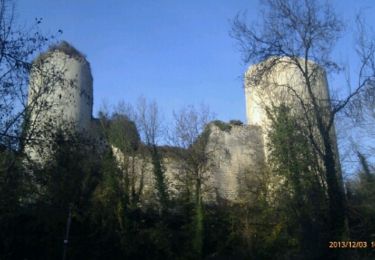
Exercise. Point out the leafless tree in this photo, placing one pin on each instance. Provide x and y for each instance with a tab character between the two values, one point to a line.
189	123
360	113
122	135
191	134
148	120
305	31
18	47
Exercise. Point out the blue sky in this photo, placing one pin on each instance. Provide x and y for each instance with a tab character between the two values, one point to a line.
176	52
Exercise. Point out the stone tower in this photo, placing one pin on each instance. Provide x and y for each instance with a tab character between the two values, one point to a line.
60	95
276	81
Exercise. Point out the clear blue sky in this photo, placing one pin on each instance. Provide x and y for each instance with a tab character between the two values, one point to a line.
176	52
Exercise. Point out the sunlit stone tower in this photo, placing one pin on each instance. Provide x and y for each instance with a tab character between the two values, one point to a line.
60	95
279	81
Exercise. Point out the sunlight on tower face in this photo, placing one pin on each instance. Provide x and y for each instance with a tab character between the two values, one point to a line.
271	83
62	78
60	93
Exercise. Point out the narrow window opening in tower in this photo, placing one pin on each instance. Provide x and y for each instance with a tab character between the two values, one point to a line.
60	96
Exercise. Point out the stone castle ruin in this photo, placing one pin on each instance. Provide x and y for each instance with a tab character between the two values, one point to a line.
239	152
60	94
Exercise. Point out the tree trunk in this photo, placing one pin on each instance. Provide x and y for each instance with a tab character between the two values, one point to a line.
337	202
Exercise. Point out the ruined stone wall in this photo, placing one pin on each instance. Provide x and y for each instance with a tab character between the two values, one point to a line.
61	79
140	173
237	159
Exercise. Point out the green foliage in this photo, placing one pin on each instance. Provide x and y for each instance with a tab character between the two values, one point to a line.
198	236
222	125
12	192
160	183
110	198
361	205
10	182
283	217
42	198
236	122
300	195
123	133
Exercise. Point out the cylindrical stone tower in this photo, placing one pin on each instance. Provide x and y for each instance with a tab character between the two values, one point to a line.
279	81
60	94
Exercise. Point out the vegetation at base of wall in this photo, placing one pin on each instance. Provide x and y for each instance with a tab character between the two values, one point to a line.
301	198
361	198
82	204
284	217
